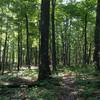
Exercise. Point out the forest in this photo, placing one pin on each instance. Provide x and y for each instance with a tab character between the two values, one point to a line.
49	49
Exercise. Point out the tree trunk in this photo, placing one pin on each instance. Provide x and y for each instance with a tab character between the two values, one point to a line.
53	36
36	57
97	38
1	48
4	54
27	43
69	44
85	40
44	70
13	54
7	56
19	45
0	56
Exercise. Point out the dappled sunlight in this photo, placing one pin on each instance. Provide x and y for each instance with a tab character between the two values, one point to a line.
67	84
49	49
88	86
4	83
24	76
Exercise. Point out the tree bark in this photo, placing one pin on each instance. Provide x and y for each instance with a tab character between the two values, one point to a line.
19	44
85	40
27	42
44	69
1	48
97	38
53	36
4	54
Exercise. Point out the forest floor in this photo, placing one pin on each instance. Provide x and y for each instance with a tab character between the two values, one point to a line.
68	90
69	84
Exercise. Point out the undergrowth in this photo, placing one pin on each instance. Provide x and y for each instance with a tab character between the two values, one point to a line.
86	81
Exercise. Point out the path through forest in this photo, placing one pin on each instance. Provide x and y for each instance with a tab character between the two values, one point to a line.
68	89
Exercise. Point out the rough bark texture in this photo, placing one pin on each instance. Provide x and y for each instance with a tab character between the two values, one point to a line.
97	38
85	39
53	35
27	42
4	53
1	49
44	70
19	46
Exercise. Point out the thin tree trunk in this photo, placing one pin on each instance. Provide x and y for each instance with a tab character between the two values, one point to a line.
13	54
18	66
4	54
19	45
53	36
7	56
36	57
1	48
69	45
89	55
85	41
27	43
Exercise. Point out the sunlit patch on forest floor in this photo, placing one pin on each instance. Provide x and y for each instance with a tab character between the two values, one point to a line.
23	76
87	82
70	83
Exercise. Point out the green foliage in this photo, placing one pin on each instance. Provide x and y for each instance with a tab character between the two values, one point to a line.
69	24
30	73
47	90
88	89
5	98
87	83
42	94
44	90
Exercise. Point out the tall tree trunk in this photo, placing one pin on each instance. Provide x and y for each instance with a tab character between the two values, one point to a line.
69	44
21	57
0	54
13	54
1	48
97	38
9	61
7	56
63	46
69	53
44	69
18	66
66	44
53	36
19	44
27	42
85	40
4	54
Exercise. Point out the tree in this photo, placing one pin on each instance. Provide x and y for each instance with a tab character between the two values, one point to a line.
4	51
27	42
44	70
19	43
53	36
97	38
